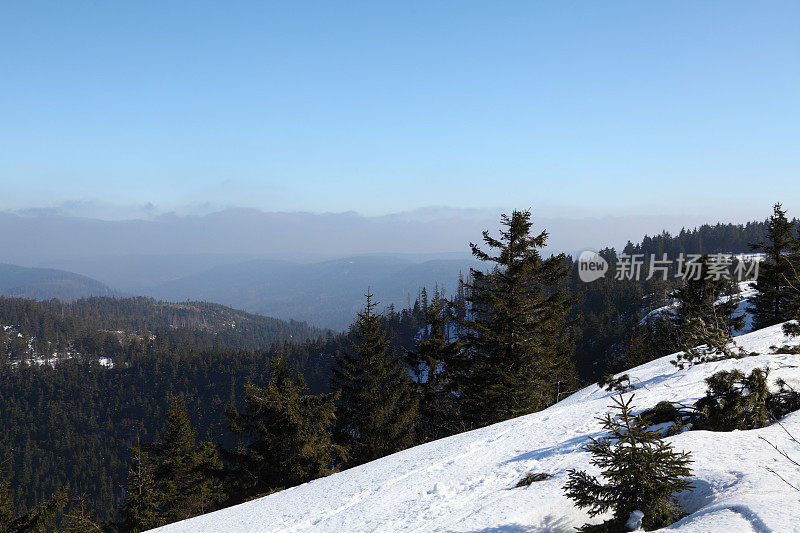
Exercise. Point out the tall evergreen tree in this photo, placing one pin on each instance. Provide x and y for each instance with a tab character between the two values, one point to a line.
139	511
286	433
376	409
517	338
186	473
433	352
772	303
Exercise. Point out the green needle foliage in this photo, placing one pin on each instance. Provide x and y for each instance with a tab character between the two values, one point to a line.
517	338
640	472
734	401
187	472
287	432
376	410
139	511
772	303
79	519
429	361
37	519
703	342
706	323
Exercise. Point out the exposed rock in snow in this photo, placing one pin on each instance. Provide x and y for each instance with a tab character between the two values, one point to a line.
467	482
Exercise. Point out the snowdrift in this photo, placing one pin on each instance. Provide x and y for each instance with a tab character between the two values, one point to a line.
466	482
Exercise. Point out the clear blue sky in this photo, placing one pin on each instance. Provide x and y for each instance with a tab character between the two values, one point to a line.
609	107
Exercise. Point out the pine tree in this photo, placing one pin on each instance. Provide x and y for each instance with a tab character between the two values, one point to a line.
517	337
641	472
772	303
139	510
287	433
186	473
376	410
37	519
433	352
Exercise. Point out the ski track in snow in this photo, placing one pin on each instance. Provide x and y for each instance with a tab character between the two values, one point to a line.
465	483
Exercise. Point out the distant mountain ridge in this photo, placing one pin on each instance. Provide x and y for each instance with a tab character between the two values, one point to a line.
47	283
326	294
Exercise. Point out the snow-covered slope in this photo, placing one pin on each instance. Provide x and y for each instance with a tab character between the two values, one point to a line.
747	290
466	482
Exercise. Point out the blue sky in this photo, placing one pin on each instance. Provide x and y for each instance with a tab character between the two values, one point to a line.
378	107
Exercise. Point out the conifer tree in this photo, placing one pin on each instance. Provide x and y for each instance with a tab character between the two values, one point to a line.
186	473
37	519
772	303
700	297
734	401
706	316
79	519
433	352
376	409
641	472
139	511
287	434
517	338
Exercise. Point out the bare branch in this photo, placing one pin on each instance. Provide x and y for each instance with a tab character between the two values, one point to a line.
780	451
780	477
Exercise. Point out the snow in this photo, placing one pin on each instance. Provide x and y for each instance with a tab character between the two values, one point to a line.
35	358
634	522
466	483
747	289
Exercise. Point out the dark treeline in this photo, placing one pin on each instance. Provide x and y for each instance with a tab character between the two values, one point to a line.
207	407
706	239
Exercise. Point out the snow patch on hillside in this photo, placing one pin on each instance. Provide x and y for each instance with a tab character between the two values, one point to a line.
467	482
747	290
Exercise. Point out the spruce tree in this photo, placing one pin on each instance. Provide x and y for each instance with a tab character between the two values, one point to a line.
286	433
186	473
641	473
433	352
139	511
517	337
772	303
376	409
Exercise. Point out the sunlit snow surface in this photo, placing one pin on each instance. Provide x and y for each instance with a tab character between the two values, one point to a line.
466	482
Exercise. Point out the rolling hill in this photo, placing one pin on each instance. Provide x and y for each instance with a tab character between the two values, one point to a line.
467	482
326	294
47	283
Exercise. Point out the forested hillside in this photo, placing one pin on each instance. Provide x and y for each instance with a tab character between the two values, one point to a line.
71	422
400	377
105	326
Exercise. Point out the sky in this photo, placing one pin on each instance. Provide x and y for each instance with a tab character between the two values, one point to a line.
571	108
